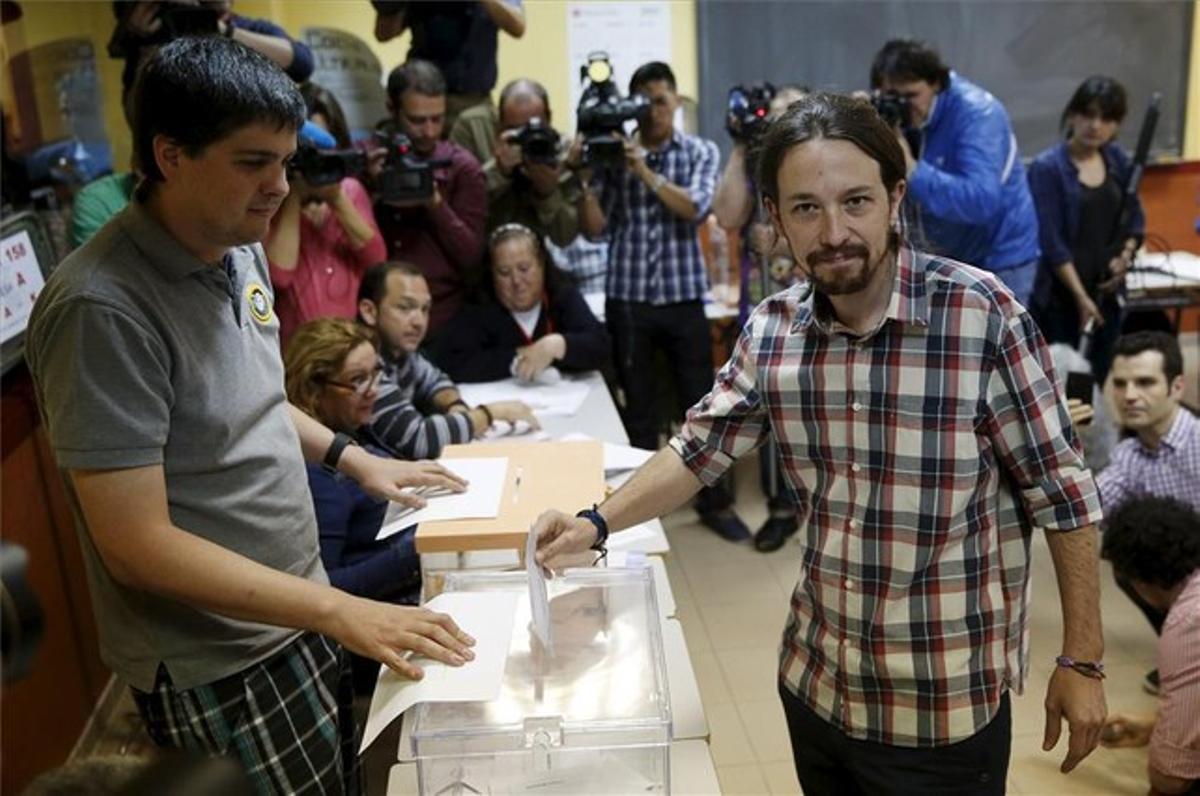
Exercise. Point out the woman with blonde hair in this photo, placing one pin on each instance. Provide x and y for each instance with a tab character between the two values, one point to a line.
332	374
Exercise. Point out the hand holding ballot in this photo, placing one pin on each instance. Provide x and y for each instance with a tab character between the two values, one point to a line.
392	478
560	534
385	632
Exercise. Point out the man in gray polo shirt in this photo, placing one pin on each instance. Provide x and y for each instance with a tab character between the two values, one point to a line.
155	353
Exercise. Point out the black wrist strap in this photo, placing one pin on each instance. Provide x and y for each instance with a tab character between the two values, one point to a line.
334	454
593	515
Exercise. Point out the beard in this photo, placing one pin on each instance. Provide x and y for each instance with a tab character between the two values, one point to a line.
846	280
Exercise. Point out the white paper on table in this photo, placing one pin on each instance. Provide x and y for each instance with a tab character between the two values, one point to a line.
488	617
617	458
562	399
485	485
539	601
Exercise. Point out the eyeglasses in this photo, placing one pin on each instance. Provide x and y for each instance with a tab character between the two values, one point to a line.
360	385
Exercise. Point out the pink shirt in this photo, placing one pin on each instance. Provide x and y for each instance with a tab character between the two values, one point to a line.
326	278
1175	744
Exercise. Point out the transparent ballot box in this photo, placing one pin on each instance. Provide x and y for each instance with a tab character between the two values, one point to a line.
590	715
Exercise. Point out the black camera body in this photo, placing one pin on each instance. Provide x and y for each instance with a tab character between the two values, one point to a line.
892	107
538	142
746	117
319	167
603	111
405	178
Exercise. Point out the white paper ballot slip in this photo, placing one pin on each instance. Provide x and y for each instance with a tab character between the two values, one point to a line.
539	602
486	616
481	501
561	399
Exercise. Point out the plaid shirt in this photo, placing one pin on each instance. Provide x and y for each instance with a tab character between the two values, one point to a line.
654	256
921	453
1170	470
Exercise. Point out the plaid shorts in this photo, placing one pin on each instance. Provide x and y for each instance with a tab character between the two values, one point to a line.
288	720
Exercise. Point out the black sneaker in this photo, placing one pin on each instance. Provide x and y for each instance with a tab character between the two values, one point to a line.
726	524
1150	683
774	532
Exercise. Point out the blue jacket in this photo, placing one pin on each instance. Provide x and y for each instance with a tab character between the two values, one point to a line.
969	185
1054	181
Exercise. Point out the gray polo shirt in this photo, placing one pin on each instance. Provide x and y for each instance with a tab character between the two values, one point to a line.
142	354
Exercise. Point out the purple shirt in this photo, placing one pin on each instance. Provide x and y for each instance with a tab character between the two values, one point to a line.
445	242
1170	470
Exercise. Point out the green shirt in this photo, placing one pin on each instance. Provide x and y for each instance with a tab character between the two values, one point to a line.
98	202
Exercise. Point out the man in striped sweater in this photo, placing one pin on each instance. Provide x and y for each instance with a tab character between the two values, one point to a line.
419	410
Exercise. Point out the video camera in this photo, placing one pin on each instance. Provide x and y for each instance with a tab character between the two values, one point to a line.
538	141
892	107
746	117
405	178
319	167
603	111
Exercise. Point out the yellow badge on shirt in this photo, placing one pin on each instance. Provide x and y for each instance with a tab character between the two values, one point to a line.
260	303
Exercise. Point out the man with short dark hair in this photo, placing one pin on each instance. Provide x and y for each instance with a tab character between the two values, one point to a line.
967	183
538	192
1162	457
418	410
918	425
1154	545
155	354
651	211
444	235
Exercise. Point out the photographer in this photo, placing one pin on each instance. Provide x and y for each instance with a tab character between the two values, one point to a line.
656	277
323	237
967	182
459	38
734	204
442	235
526	181
147	23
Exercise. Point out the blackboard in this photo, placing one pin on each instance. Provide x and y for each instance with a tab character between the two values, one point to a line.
1031	55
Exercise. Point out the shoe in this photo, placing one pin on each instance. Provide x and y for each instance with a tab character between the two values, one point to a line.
726	524
1150	683
774	532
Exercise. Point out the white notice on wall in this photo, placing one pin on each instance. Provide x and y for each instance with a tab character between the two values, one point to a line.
632	33
20	282
345	64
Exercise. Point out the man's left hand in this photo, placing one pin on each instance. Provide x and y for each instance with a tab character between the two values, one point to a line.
635	159
543	176
434	201
388	478
1080	700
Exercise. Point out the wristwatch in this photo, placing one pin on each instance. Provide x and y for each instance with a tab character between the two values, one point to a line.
334	454
659	181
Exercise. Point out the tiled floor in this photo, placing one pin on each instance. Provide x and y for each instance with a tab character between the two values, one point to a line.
732	602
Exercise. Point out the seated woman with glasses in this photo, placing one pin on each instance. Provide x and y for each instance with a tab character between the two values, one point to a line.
332	374
532	319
